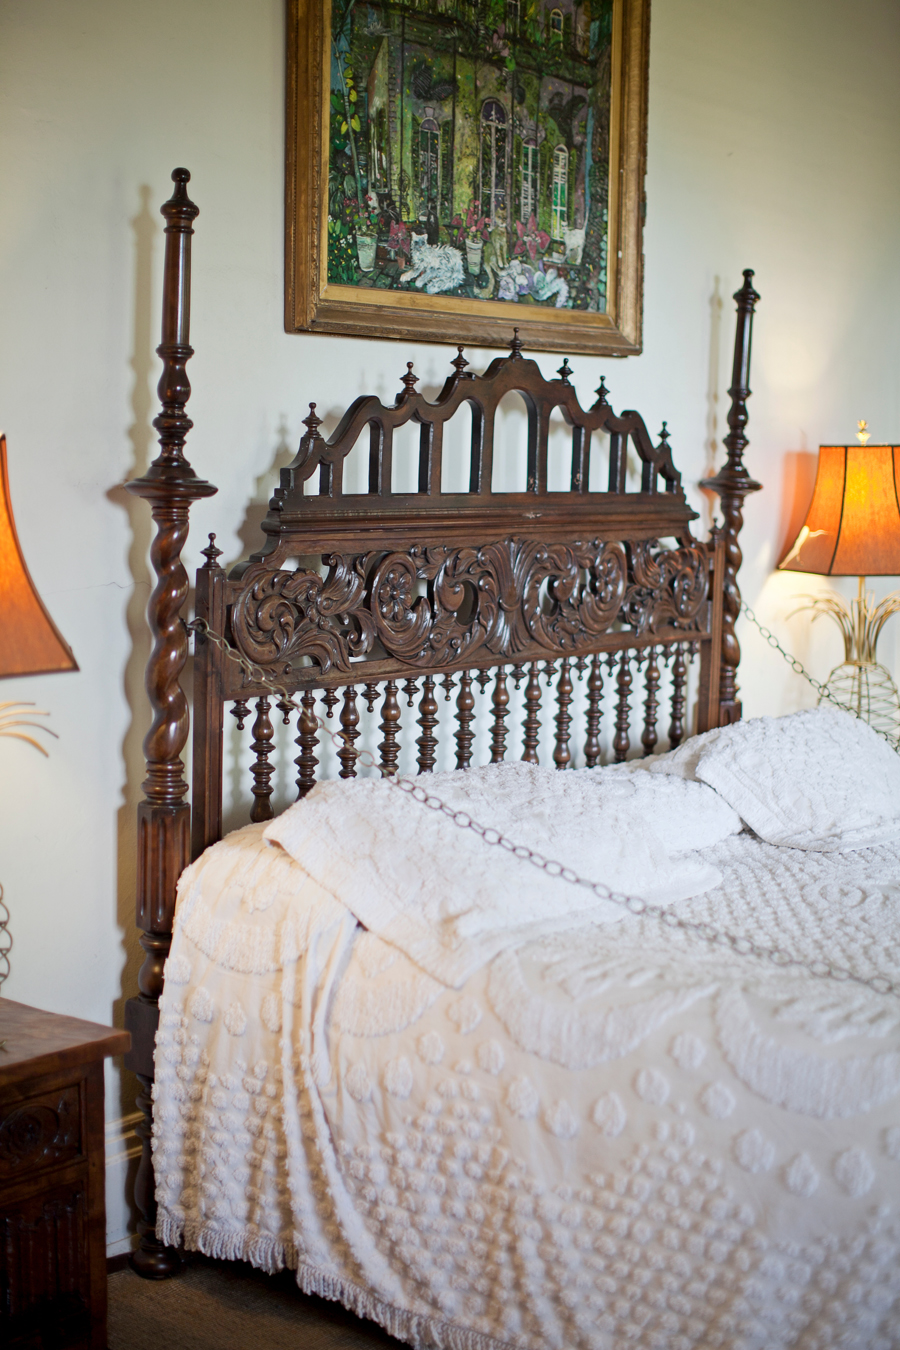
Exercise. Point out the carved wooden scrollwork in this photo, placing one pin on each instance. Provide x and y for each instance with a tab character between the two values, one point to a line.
281	616
438	606
667	587
45	1129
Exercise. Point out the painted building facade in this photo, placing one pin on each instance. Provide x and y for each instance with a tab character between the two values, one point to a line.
481	121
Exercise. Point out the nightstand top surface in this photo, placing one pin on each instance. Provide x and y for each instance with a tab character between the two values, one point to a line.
39	1042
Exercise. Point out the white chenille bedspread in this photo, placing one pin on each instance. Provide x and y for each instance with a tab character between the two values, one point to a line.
614	1136
451	903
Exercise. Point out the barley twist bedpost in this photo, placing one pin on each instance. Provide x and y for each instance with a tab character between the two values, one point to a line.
733	483
163	827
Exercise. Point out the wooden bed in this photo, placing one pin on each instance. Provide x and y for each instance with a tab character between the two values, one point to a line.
419	596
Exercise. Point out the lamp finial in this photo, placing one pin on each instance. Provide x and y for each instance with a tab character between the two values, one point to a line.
863	432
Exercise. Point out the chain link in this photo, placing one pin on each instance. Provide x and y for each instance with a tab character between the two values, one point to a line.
634	904
796	666
800	669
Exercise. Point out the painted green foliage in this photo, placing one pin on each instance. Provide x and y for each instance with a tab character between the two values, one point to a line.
469	148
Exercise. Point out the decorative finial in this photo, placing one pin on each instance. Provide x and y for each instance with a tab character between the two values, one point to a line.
210	553
409	380
460	363
664	434
312	423
515	347
602	391
179	207
565	370
863	433
747	293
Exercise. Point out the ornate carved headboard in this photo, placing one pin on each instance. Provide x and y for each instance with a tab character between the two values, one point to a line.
376	597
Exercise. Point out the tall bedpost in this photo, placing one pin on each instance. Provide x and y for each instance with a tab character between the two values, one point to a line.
163	825
733	483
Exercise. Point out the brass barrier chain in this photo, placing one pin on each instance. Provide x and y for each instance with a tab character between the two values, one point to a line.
635	904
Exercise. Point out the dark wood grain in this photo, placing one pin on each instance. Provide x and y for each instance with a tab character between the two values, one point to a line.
623	715
592	747
532	725
349	719
649	737
733	484
307	740
261	770
500	711
52	1176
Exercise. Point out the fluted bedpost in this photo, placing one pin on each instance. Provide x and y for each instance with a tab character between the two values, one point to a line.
163	834
733	483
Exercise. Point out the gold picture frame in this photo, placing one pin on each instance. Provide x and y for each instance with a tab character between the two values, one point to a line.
401	117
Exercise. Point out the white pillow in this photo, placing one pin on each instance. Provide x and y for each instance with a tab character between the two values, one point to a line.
450	902
821	779
685	814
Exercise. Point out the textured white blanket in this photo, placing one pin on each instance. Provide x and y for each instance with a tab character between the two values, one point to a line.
616	1136
451	903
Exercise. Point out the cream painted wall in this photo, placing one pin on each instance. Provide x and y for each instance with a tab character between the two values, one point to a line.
773	144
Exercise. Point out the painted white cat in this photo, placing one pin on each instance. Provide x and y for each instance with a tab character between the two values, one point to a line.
436	267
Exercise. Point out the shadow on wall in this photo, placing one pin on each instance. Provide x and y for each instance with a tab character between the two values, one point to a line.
141	435
250	531
711	443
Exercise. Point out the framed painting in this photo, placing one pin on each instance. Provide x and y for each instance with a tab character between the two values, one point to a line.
456	168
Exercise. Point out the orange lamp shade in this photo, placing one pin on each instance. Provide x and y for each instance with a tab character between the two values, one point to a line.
30	642
852	527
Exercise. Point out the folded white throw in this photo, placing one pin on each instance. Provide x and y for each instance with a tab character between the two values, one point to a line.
449	901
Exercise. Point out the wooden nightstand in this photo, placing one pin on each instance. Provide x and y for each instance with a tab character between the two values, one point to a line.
52	1177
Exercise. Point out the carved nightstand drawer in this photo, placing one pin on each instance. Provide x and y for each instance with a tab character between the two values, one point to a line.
52	1211
42	1131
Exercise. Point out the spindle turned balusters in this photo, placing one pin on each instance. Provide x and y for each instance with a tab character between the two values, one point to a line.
465	704
261	769
389	748
561	755
370	694
623	684
592	749
649	737
679	681
532	725
307	740
500	706
349	719
427	720
423	691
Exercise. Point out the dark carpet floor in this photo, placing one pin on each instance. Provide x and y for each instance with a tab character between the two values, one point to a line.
226	1305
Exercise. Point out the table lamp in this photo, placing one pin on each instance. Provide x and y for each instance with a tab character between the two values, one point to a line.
30	644
852	528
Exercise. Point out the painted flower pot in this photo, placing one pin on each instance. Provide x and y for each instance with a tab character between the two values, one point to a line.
474	254
365	248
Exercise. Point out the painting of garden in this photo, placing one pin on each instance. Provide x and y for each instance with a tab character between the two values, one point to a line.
468	151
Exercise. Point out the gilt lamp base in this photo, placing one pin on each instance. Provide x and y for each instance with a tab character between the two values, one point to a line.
866	689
